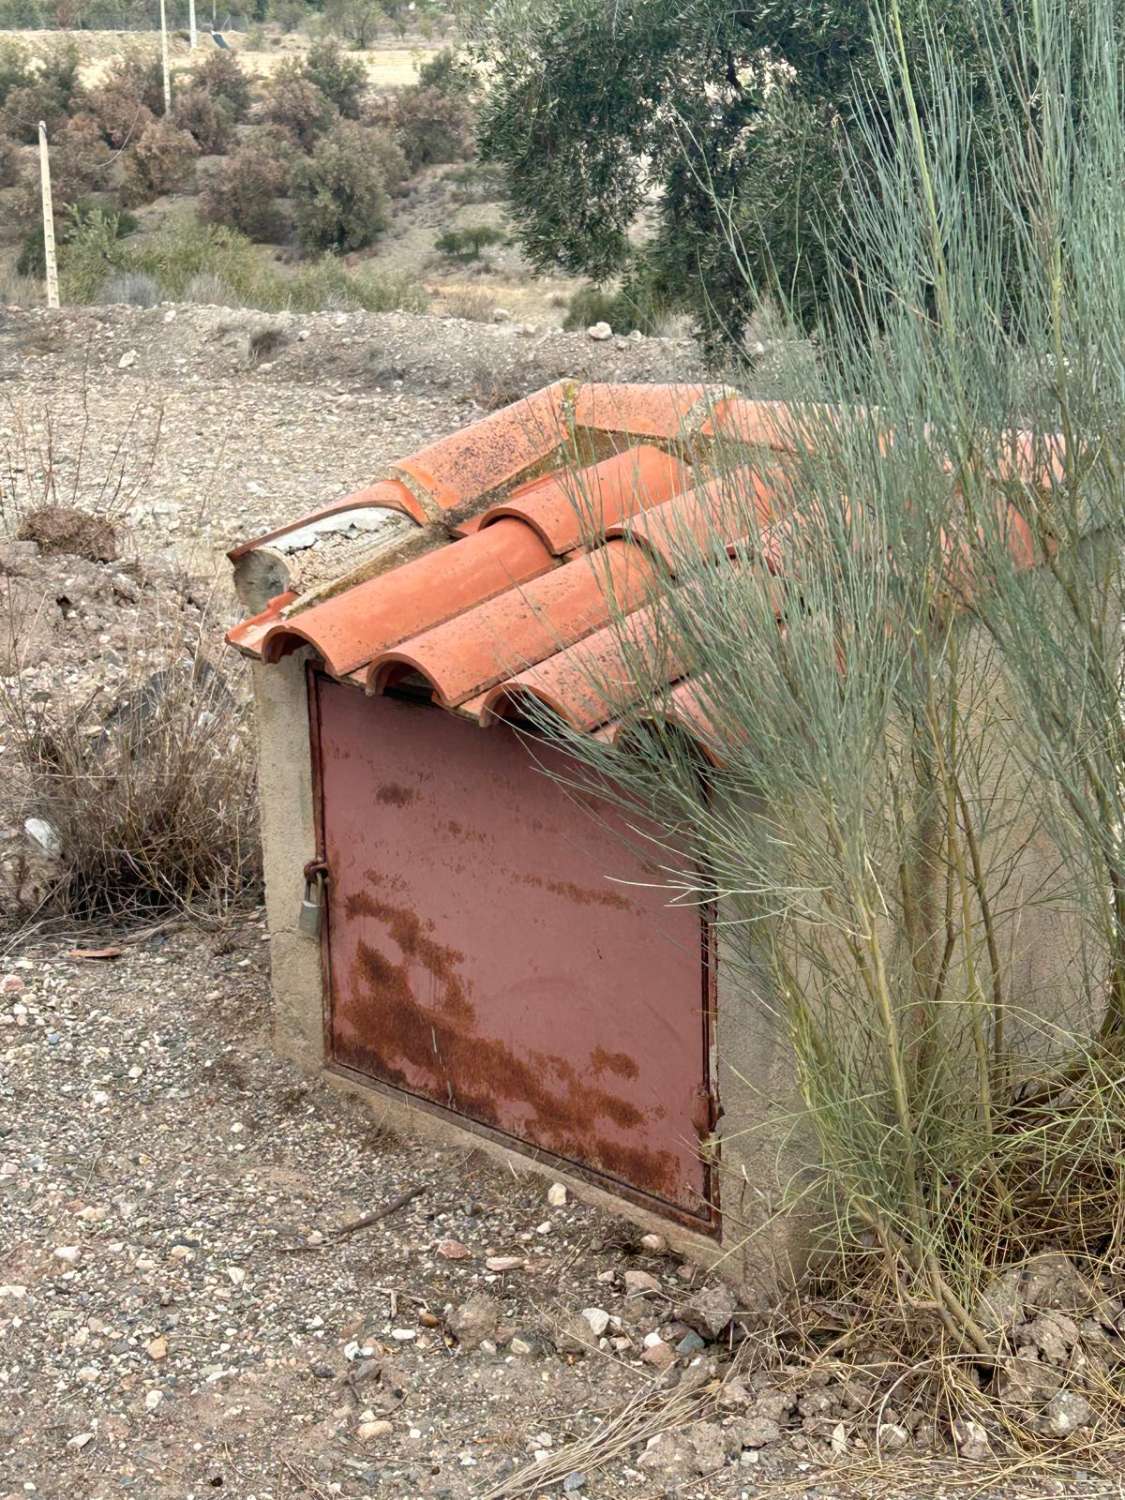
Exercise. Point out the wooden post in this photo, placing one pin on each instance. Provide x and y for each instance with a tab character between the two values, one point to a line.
191	22
49	258
164	59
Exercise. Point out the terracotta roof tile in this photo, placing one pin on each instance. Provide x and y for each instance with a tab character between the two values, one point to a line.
474	650
468	465
659	411
528	584
350	628
713	514
571	506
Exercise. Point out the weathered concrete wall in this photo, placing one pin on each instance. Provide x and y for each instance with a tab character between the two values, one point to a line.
288	842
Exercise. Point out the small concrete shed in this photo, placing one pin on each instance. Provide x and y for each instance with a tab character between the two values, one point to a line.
451	932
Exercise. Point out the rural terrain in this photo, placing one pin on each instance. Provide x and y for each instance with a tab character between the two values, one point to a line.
189	1301
222	1276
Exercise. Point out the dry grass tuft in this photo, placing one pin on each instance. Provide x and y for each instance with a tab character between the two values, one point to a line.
140	802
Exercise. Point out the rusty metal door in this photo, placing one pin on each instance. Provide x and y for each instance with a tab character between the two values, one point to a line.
480	959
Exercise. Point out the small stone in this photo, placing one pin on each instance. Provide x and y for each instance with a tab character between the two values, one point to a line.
12	1292
236	1274
11	984
641	1283
671	1456
127	360
153	1400
655	1244
505	1262
892	1437
157	1348
80	1440
970	1439
599	332
757	1432
525	1344
839	1440
575	1480
368	1431
636	336
597	1318
659	1355
556	1197
453	1250
501	315
429	1319
404	1335
709	1310
1066	1413
691	1343
71	1254
474	1321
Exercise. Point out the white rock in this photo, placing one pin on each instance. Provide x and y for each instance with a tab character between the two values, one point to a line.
641	1282
404	1335
71	1254
367	1431
501	315
505	1262
597	1318
599	332
153	1400
13	1292
655	1244
236	1274
970	1439
127	360
893	1437
1066	1413
80	1440
556	1195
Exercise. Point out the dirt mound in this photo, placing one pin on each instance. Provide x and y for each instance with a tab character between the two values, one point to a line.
77	533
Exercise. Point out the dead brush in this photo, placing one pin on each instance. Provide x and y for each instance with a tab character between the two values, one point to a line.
44	467
148	793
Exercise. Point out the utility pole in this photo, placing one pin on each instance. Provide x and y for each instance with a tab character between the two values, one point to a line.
191	22
49	258
164	59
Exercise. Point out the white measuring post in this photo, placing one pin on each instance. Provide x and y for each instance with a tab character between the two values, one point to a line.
49	258
191	22
164	59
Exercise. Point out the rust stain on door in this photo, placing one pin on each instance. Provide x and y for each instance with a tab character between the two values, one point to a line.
481	959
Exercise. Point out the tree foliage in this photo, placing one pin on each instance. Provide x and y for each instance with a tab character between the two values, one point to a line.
728	117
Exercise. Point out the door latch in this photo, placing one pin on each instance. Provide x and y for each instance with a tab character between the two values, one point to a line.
310	918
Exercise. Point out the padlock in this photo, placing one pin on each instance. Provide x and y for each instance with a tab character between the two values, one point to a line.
310	915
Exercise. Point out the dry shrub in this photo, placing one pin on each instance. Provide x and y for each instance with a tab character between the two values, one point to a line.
50	93
122	117
340	78
207	120
339	192
294	103
433	126
79	158
161	162
9	164
474	305
243	192
148	793
221	77
69	530
139	74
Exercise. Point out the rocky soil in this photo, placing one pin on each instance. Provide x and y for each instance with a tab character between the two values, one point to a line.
218	1276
